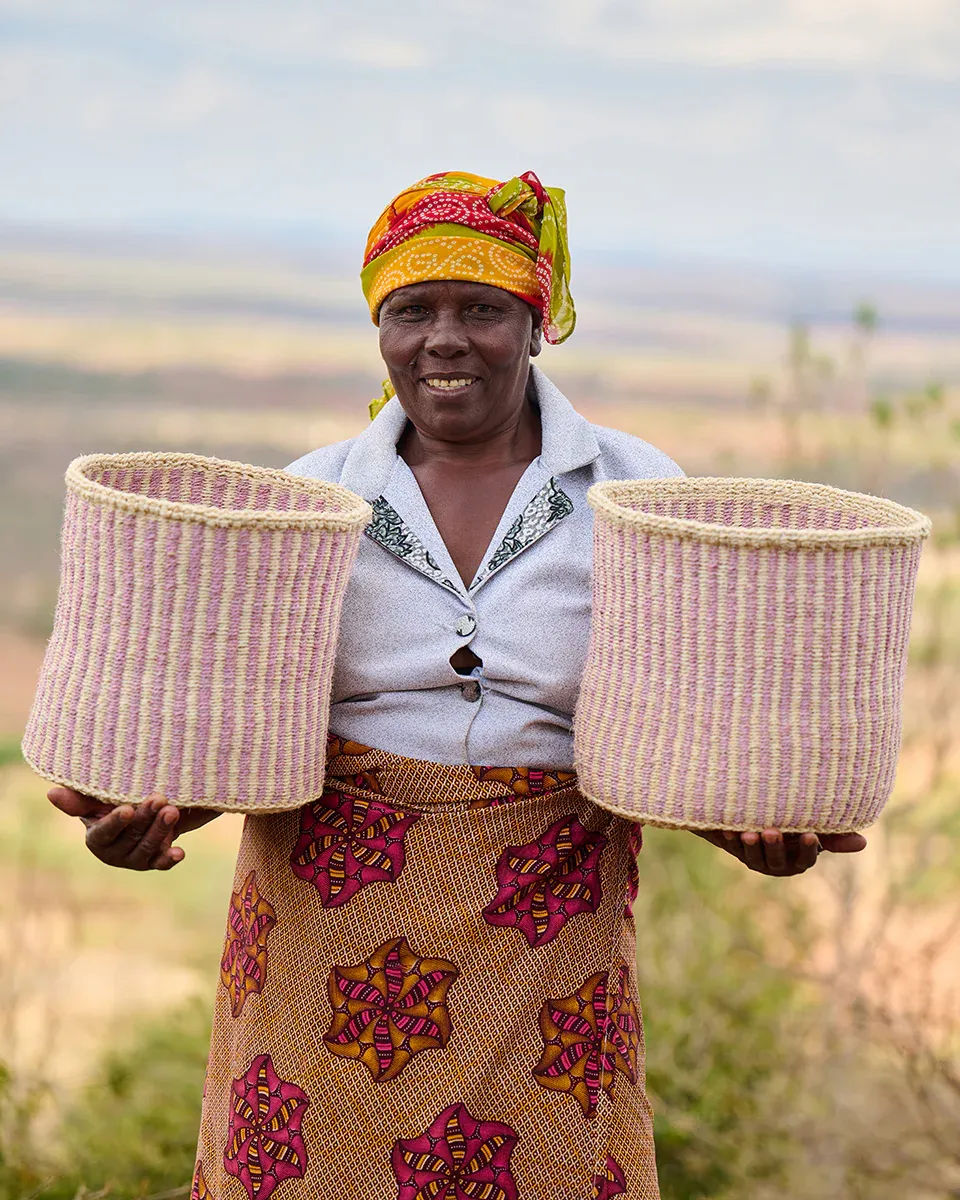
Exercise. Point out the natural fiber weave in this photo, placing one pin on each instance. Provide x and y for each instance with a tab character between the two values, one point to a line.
195	631
747	653
428	989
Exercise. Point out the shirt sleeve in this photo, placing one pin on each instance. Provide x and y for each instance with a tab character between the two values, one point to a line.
624	456
326	463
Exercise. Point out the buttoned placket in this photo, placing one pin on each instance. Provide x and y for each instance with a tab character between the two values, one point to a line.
404	495
465	628
471	688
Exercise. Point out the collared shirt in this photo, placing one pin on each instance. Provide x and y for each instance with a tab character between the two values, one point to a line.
526	615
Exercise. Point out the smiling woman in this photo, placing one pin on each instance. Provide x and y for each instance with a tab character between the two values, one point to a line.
458	357
428	984
457	353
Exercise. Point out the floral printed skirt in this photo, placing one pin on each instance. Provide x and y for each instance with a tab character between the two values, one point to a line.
427	993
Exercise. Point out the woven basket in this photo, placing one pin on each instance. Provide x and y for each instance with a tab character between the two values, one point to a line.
195	631
747	653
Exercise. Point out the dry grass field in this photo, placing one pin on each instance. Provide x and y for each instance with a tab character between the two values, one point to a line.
804	1035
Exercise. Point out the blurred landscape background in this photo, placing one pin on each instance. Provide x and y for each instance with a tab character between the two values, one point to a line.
766	265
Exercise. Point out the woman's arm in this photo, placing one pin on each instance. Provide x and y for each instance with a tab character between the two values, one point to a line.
774	853
138	838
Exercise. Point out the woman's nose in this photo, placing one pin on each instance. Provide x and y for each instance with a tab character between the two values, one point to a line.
446	336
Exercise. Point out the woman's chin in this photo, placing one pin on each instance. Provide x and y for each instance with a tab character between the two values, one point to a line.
446	412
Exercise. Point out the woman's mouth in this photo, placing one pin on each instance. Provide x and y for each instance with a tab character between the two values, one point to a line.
449	385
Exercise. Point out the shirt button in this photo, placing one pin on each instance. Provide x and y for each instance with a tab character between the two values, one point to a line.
470	691
466	625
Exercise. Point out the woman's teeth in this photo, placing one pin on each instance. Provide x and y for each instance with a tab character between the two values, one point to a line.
449	383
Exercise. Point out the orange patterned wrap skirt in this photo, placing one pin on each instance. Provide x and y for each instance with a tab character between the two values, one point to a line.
428	993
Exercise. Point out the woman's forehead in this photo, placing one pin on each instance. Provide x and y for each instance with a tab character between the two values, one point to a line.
456	289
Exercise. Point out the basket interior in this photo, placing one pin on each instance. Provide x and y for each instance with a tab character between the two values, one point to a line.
216	486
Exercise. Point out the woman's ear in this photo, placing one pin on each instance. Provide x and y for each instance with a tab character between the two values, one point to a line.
536	335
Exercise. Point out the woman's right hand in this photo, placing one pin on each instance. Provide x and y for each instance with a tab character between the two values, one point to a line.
137	837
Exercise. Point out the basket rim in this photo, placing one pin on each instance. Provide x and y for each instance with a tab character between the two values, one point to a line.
895	522
356	515
658	820
120	798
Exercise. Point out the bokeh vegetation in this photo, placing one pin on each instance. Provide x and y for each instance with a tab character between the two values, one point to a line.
803	1035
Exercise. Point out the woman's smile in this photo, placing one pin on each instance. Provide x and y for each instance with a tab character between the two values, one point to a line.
449	386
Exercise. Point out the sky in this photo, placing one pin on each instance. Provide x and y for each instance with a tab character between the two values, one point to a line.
797	133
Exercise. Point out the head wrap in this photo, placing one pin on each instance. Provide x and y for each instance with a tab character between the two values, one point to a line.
454	225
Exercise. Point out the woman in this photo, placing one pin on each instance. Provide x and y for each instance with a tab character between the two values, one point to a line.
427	987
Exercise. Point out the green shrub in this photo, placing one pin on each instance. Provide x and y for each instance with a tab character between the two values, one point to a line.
721	1021
132	1132
9	750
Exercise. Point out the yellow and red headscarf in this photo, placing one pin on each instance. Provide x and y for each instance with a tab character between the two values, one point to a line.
454	225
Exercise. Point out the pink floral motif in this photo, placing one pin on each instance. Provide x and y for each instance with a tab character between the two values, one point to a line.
199	1189
243	967
545	883
609	1182
347	842
589	1037
264	1143
389	1008
458	1158
634	846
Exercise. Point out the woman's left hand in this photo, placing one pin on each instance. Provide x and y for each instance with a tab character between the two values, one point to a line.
774	853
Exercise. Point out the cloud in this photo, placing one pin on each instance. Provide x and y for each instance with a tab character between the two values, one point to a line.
385	54
197	93
251	35
921	38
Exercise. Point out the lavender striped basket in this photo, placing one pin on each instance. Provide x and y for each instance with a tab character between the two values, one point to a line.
747	653
195	630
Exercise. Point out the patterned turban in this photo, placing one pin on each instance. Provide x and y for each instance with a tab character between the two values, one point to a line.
453	225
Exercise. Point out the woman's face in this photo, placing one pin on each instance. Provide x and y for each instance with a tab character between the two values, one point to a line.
458	355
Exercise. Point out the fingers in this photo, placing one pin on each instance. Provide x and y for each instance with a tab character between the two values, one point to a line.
775	852
808	850
731	843
726	839
843	843
753	854
105	833
167	859
156	842
138	839
75	804
772	852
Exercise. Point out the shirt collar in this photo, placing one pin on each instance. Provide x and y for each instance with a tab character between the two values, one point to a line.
568	440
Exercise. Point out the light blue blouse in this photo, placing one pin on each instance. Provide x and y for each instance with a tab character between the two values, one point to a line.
526	615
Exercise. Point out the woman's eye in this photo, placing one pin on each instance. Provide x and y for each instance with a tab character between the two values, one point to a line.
411	310
483	310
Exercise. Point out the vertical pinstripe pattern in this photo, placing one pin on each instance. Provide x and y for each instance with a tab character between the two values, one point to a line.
65	754
747	652
274	712
115	607
146	777
195	632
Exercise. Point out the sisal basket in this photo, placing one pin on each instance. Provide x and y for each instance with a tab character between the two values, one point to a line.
195	631
747	653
